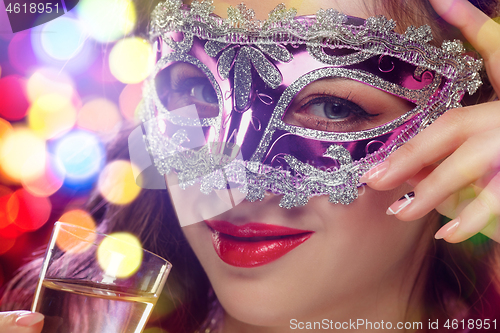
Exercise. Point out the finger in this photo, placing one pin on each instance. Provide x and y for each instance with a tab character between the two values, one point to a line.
21	322
482	211
456	202
468	163
492	230
421	175
433	144
481	31
477	27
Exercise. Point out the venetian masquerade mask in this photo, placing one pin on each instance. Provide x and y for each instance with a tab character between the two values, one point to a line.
297	106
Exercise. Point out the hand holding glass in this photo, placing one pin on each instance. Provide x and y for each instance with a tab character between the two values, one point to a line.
91	282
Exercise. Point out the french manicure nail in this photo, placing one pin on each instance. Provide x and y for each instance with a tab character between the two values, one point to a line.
403	202
448	229
375	173
29	319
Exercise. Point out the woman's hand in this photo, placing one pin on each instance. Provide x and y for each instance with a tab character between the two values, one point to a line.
21	322
454	164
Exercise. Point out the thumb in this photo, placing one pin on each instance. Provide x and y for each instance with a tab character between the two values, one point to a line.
21	322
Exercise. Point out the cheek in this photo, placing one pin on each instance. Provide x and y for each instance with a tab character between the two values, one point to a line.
360	242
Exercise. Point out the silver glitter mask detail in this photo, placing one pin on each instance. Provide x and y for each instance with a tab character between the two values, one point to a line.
249	65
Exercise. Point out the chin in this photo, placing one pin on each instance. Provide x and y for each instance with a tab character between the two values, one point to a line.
255	306
271	294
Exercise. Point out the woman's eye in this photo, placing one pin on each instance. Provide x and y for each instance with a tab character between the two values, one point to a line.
335	110
329	113
197	88
344	105
204	93
181	84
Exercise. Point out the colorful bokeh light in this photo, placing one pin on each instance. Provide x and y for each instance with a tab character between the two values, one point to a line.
13	101
20	52
33	211
48	181
129	100
51	143
120	254
51	114
79	217
66	50
5	129
107	20
100	115
49	81
7	215
131	60
74	238
81	154
62	38
117	184
17	149
6	244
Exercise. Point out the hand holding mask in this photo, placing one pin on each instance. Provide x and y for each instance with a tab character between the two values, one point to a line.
465	186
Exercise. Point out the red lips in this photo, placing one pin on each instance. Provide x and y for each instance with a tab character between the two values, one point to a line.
254	244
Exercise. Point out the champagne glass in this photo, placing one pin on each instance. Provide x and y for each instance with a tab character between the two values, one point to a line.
92	282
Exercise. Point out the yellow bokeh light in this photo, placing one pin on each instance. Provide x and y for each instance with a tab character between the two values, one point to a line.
107	20
51	115
99	115
488	38
131	60
120	254
117	183
48	81
17	150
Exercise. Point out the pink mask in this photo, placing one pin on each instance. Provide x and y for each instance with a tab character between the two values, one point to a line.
297	106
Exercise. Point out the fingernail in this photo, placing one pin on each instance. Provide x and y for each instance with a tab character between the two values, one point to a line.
448	229
29	319
403	202
375	173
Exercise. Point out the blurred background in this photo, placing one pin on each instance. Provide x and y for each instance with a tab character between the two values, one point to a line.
66	89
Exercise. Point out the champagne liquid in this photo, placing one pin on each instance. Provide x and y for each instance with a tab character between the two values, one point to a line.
72	306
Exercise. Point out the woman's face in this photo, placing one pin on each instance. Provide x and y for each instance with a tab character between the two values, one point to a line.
341	262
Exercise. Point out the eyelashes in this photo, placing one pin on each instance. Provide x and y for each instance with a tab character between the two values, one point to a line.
334	108
199	88
182	85
327	112
337	104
